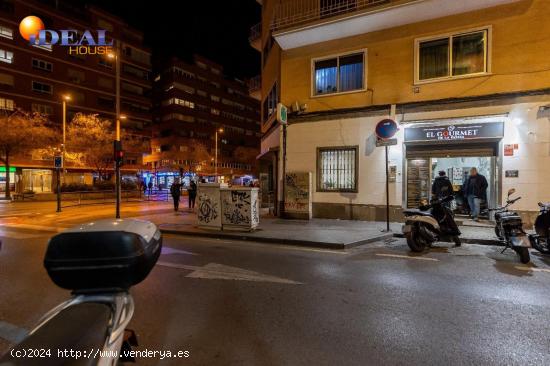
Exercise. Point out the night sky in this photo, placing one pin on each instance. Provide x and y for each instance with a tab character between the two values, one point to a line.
216	29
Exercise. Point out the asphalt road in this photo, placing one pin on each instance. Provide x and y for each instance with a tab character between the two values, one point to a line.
240	303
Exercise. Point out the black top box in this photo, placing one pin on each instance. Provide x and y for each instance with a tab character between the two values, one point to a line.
103	255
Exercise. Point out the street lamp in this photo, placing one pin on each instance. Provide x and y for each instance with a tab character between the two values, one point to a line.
64	99
116	56
220	130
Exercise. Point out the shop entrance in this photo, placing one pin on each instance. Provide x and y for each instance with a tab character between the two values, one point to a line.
424	163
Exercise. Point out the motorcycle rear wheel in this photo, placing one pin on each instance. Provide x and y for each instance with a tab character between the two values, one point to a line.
523	253
415	242
543	248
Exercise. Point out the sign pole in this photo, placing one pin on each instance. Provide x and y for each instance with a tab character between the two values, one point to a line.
387	191
58	187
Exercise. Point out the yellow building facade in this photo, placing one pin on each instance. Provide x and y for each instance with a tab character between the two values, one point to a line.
467	82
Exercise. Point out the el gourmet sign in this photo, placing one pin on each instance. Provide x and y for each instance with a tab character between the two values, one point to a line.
455	132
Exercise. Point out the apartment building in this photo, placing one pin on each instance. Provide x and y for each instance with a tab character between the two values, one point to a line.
269	90
196	109
468	83
34	78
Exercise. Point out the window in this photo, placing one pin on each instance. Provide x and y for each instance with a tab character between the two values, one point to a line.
6	56
76	76
202	93
42	87
6	32
452	56
7	104
215	111
105	63
337	169
42	108
42	65
105	83
134	89
179	101
270	103
103	24
6	79
215	98
339	74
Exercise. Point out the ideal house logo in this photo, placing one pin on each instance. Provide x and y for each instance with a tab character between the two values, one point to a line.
33	30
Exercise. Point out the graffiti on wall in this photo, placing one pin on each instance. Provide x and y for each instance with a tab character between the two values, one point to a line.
297	186
208	209
236	205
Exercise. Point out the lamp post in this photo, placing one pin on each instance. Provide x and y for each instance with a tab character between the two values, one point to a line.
64	99
116	57
220	130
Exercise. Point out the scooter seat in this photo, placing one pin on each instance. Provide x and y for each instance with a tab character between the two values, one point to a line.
415	211
82	327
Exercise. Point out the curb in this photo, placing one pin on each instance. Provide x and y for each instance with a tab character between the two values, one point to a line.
269	240
494	242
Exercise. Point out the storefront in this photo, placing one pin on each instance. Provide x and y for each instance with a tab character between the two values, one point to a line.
455	149
3	178
37	180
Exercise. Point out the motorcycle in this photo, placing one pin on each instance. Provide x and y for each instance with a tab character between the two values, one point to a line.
98	262
541	239
509	229
430	223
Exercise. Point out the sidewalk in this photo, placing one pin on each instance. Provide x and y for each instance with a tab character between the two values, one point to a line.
322	233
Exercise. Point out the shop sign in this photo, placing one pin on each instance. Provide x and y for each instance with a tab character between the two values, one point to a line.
511	173
3	169
455	132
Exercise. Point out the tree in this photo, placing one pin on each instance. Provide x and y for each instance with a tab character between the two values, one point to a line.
22	132
90	143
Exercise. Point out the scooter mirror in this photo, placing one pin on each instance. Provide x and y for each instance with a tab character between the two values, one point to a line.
511	191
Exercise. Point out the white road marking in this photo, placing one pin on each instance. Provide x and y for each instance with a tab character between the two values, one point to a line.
407	257
167	250
215	271
534	269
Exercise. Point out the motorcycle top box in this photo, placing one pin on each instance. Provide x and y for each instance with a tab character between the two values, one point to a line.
103	255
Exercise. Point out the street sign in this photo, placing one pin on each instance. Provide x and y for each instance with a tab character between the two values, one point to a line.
385	142
282	113
386	128
58	161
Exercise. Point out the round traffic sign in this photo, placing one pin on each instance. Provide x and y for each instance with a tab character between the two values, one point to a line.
386	128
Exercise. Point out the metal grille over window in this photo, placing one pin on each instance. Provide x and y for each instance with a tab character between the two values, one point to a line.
337	169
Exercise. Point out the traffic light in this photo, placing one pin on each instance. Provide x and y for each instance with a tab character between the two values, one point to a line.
119	153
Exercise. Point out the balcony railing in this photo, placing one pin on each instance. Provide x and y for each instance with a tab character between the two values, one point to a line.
255	32
290	13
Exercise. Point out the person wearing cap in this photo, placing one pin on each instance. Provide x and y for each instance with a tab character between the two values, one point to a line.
442	186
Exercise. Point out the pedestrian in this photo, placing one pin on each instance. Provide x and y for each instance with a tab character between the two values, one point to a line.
475	191
442	186
143	187
175	191
192	190
150	186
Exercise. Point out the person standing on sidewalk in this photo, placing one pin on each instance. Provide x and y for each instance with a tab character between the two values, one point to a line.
192	190
475	191
175	191
442	186
150	186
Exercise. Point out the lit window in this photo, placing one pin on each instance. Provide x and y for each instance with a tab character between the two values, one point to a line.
452	56
42	108
6	32
339	74
7	104
337	169
215	111
6	56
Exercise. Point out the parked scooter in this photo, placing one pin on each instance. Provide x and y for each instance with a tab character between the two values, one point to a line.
98	262
509	229
541	239
430	223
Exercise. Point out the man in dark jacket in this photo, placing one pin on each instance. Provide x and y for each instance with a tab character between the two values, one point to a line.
442	186
192	190
475	191
175	191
